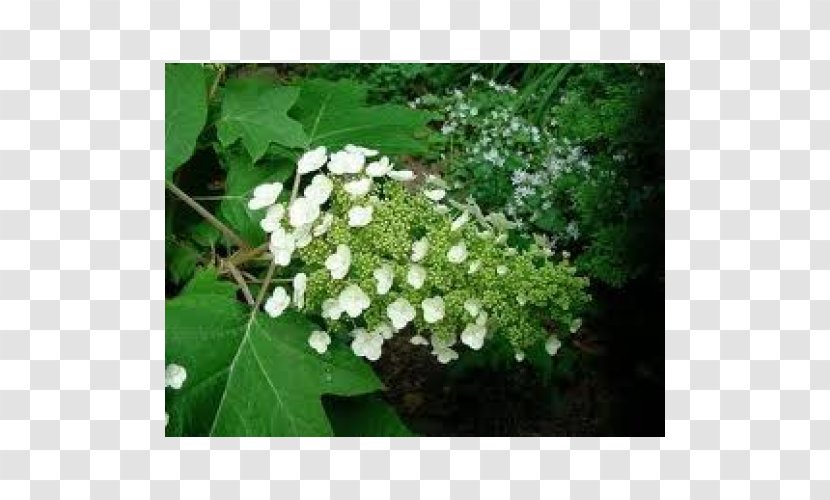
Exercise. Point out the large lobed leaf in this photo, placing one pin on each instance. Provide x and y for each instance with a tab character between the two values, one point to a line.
255	112
185	112
335	114
251	375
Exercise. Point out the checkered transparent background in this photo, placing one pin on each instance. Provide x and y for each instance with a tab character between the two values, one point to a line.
747	250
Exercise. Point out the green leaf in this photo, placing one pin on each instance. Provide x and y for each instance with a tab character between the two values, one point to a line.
206	282
185	112
181	259
243	177
249	374
255	111
335	114
364	416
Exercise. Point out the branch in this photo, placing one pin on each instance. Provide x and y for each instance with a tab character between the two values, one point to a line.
242	284
207	215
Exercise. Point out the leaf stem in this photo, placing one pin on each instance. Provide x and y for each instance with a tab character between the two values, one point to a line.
237	276
207	215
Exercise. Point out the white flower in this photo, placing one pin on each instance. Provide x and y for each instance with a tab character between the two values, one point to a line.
300	281
359	187
379	168
277	302
416	276
319	190
302	236
419	249
458	253
174	376
303	211
265	195
501	270
351	148
472	306
520	356
474	267
332	309
282	246
312	160
360	216
324	225
345	162
354	301
435	194
272	218
575	325
338	263
433	309
445	355
441	209
319	341
367	344
552	345
481	319
473	336
401	175
384	330
400	313
418	340
384	276
460	221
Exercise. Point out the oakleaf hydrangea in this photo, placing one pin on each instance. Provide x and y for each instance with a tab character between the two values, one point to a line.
375	256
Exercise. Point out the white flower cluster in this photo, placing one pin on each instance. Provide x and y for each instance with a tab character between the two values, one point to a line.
296	224
532	187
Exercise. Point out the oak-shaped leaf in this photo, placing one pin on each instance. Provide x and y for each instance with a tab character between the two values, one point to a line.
249	374
255	112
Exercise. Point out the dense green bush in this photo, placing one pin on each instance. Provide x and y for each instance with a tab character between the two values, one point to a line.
589	176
